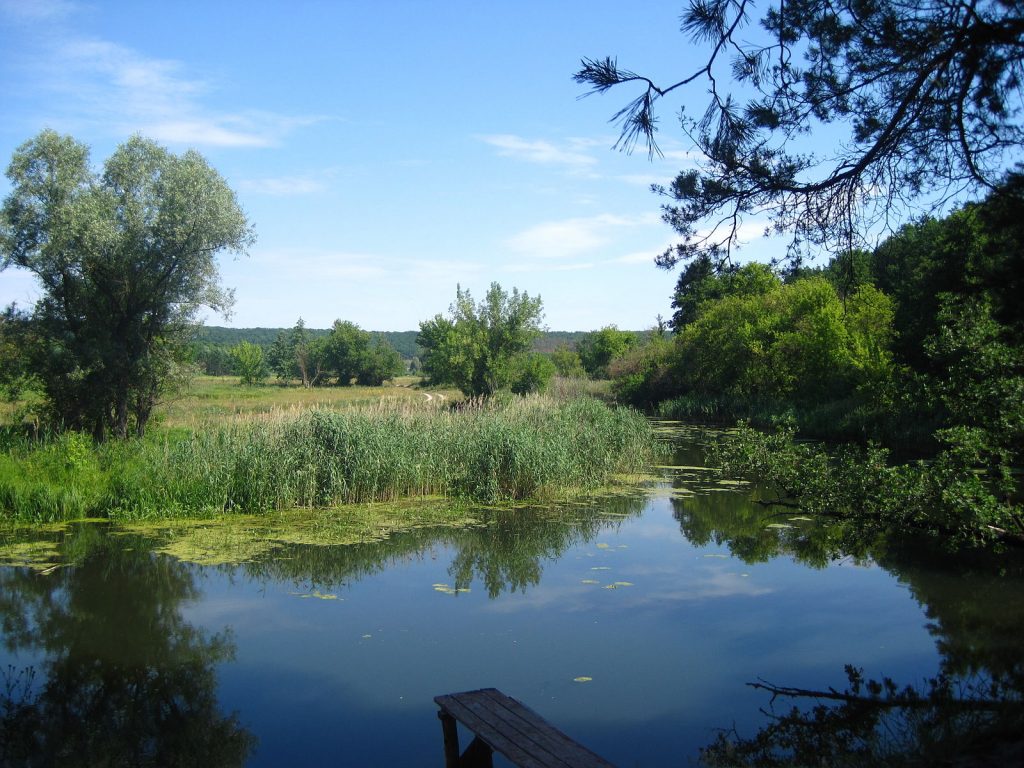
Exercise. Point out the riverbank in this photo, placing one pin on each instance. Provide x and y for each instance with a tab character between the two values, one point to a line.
504	449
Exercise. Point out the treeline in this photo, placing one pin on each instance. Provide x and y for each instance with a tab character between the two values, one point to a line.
916	348
344	355
211	346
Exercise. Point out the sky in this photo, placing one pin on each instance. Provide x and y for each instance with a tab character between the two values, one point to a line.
384	151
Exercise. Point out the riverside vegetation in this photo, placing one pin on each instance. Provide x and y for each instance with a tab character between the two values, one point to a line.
498	450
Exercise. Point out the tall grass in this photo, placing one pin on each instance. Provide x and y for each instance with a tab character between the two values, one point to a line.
501	450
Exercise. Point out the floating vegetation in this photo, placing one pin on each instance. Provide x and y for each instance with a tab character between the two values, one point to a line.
582	679
589	581
779	525
449	590
617	584
317	594
602	545
42	556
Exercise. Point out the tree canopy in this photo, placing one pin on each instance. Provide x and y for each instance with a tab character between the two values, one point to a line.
844	115
481	348
125	259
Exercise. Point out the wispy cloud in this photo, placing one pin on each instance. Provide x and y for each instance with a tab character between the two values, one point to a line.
282	186
570	153
101	83
36	10
572	237
313	265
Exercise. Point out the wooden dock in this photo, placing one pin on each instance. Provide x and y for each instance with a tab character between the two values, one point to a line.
504	725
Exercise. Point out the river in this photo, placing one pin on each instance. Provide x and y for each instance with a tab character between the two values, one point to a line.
633	621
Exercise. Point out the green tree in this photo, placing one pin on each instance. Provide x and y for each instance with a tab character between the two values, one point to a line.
474	347
598	349
567	362
295	354
700	282
345	350
125	260
379	363
919	100
15	343
530	372
795	343
249	363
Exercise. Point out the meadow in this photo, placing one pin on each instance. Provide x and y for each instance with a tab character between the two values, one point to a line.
222	448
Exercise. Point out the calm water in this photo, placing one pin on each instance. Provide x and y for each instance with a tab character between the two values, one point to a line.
669	601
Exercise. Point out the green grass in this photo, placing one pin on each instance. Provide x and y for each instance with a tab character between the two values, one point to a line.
506	449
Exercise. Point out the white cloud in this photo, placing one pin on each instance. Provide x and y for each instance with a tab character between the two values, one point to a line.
282	186
638	257
571	237
111	85
312	265
36	10
541	151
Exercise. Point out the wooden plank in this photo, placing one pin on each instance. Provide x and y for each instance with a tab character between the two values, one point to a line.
517	732
542	735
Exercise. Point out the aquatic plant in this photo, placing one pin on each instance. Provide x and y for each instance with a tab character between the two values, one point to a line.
501	449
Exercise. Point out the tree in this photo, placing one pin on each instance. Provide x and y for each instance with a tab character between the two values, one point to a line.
567	362
919	101
701	282
125	260
379	363
474	348
345	351
295	354
599	348
249	363
15	341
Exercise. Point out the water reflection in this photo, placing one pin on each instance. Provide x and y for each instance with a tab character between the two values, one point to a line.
505	549
115	664
123	679
971	709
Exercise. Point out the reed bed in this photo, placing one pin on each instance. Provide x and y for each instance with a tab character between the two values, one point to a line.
495	451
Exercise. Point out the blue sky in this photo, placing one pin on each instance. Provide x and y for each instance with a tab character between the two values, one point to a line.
384	151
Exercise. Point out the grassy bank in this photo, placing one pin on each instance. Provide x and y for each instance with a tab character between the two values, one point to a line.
504	450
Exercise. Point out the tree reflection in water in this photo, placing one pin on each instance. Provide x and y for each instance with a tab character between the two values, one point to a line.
125	679
970	713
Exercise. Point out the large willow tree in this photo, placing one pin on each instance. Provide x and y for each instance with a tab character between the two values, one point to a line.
124	259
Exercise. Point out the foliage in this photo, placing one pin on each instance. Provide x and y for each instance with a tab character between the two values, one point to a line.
125	260
567	362
249	363
530	372
475	347
945	498
918	101
796	342
647	374
296	354
701	282
379	363
15	342
500	450
598	349
347	353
